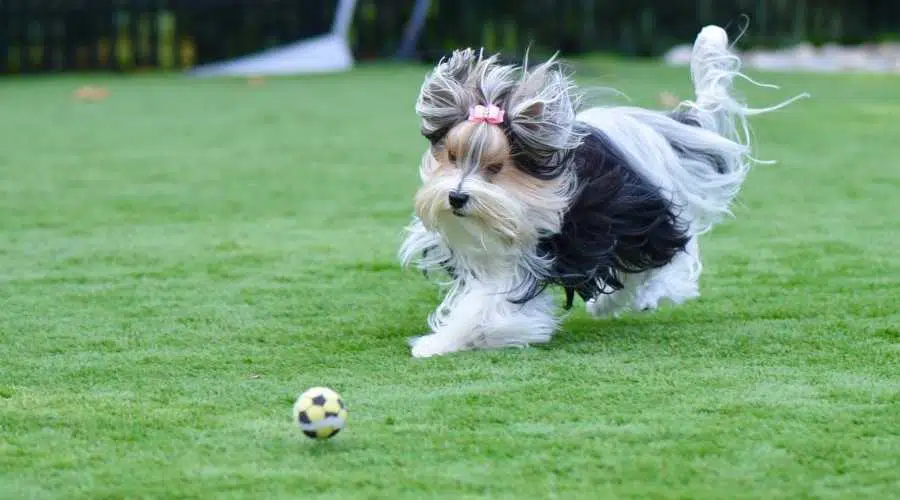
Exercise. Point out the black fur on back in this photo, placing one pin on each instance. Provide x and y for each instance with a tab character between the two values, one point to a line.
618	222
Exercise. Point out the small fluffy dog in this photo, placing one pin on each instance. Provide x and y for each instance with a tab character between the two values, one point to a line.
522	190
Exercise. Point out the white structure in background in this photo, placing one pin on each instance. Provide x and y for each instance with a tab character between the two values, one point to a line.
324	54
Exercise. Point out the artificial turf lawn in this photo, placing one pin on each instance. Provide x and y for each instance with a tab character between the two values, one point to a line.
183	258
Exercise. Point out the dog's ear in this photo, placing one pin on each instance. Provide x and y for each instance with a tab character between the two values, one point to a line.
542	112
444	99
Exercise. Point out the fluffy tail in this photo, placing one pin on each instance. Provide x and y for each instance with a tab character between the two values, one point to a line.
700	152
717	109
714	67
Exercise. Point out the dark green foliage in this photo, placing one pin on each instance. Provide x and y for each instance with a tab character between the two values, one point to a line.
130	35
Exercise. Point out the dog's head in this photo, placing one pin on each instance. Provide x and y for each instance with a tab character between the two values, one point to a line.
495	169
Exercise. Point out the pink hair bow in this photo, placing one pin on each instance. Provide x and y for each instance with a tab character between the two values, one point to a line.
486	114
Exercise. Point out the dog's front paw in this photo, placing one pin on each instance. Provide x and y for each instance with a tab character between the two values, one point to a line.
427	346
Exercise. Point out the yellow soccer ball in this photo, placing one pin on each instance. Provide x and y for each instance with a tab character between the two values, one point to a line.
320	412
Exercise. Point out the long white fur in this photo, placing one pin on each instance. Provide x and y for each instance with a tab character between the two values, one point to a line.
491	253
475	311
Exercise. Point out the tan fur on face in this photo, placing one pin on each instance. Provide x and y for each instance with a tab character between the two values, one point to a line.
477	147
475	159
484	151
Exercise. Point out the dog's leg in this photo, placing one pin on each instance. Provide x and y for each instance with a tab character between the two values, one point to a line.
677	282
482	317
615	303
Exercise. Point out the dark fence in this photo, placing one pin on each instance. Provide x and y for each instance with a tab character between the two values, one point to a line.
127	35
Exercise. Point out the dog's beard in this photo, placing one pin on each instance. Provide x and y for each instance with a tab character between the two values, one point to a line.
492	218
498	218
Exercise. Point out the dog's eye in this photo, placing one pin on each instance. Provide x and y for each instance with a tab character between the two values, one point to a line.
494	168
451	156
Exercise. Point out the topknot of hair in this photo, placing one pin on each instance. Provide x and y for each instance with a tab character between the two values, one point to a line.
540	104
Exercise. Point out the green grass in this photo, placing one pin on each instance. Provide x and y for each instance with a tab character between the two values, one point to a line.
182	259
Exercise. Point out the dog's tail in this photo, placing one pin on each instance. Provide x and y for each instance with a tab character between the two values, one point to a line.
714	67
714	170
699	152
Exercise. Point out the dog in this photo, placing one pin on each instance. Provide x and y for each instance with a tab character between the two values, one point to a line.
524	188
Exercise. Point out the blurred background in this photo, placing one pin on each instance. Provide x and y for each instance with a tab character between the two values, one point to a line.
47	36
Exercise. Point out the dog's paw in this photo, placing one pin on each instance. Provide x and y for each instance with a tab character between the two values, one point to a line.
603	306
646	304
656	294
430	345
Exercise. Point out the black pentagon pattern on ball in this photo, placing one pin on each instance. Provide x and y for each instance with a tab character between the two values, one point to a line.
341	402
304	418
313	435
330	414
319	400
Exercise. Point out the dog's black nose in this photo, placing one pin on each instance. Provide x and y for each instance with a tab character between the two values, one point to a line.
458	200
